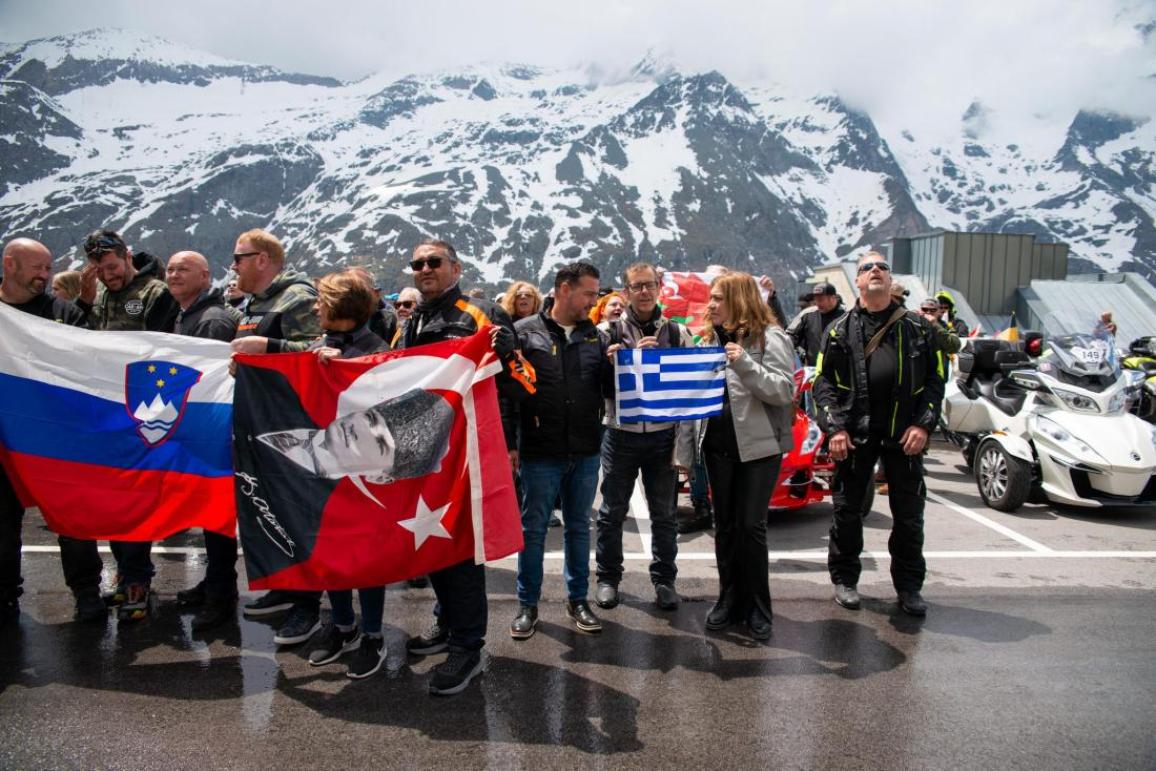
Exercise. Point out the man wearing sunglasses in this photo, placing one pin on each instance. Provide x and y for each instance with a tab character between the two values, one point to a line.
445	313
132	296
277	316
878	387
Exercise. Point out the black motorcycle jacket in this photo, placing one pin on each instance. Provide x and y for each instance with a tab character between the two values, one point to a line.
840	385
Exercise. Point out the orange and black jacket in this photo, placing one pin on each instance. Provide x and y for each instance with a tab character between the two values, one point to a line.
453	315
840	386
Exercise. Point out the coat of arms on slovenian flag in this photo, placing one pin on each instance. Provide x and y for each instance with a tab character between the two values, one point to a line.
155	395
658	385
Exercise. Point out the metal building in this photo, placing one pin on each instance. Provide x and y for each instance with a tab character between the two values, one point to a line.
986	268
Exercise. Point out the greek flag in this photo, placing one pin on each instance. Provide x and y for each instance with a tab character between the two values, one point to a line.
659	385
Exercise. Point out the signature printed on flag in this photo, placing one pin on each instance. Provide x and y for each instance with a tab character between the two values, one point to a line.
281	540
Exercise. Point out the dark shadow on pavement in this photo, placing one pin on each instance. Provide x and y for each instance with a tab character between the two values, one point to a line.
982	625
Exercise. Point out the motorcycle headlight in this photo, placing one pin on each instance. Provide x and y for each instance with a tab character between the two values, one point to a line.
1118	402
811	441
1060	435
1076	402
1153	430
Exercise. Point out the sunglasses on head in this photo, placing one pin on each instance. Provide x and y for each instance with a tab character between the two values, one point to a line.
433	262
100	245
867	266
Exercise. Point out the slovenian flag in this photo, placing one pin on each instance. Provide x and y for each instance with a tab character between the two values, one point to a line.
116	435
659	385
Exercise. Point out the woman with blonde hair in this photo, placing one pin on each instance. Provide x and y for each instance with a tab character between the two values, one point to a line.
521	299
744	445
66	285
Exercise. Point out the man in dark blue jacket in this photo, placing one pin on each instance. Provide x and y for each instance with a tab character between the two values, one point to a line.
559	438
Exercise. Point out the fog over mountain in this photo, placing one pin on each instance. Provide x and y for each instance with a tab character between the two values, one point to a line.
526	166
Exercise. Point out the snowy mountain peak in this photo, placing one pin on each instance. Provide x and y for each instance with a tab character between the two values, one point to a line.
524	167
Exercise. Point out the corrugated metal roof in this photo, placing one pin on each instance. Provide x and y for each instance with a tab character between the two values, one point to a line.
1064	307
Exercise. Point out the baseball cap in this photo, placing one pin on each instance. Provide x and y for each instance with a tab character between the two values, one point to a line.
824	288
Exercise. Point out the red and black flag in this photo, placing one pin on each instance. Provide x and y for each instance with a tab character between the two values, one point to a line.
367	471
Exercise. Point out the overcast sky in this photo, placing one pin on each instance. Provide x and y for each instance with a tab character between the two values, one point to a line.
921	58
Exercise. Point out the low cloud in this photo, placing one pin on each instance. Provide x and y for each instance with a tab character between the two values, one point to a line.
914	62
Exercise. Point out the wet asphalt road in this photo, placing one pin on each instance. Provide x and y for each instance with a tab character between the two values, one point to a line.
1038	652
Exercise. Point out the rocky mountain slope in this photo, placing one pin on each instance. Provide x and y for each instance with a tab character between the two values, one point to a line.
523	167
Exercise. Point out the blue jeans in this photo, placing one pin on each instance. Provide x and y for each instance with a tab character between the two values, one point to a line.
542	482
624	455
372	608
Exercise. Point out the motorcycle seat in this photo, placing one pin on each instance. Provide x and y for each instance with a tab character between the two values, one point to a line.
1000	391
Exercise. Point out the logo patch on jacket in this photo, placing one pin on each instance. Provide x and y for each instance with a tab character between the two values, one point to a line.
134	307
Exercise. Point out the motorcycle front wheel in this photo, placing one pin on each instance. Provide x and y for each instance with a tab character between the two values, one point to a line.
1004	480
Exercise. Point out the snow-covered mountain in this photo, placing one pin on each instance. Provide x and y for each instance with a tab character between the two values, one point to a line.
523	168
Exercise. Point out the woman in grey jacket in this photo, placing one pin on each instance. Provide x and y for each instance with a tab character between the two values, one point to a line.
744	446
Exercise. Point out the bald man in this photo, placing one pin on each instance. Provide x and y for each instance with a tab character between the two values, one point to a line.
204	313
27	270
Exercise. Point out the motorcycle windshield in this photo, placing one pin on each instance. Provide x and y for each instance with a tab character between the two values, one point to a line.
1084	360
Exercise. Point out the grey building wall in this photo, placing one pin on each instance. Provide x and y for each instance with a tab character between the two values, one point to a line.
988	268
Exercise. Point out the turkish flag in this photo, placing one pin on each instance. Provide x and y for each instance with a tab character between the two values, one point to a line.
362	472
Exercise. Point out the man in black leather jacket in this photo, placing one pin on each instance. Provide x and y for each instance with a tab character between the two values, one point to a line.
878	388
446	314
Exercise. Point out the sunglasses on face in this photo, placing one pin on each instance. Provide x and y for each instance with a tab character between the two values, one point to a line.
419	265
643	286
867	266
404	304
238	257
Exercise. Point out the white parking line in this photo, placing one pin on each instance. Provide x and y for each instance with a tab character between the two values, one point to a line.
1023	540
806	555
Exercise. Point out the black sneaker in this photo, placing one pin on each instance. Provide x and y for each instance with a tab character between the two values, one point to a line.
369	657
455	673
90	606
193	597
583	618
665	597
271	602
912	603
301	624
418	582
431	641
214	613
136	603
332	644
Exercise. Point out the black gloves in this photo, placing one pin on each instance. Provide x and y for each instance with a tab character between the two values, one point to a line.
504	343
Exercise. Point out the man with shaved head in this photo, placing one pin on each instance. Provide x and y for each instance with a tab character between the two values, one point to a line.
204	313
27	270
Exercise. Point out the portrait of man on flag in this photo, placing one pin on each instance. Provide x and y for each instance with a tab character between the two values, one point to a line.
367	471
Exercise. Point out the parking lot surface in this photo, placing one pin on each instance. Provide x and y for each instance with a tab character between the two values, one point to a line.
1037	652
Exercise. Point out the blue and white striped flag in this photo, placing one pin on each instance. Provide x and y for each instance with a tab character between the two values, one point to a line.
659	385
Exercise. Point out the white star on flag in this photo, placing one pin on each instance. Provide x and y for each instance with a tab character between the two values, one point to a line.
426	523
